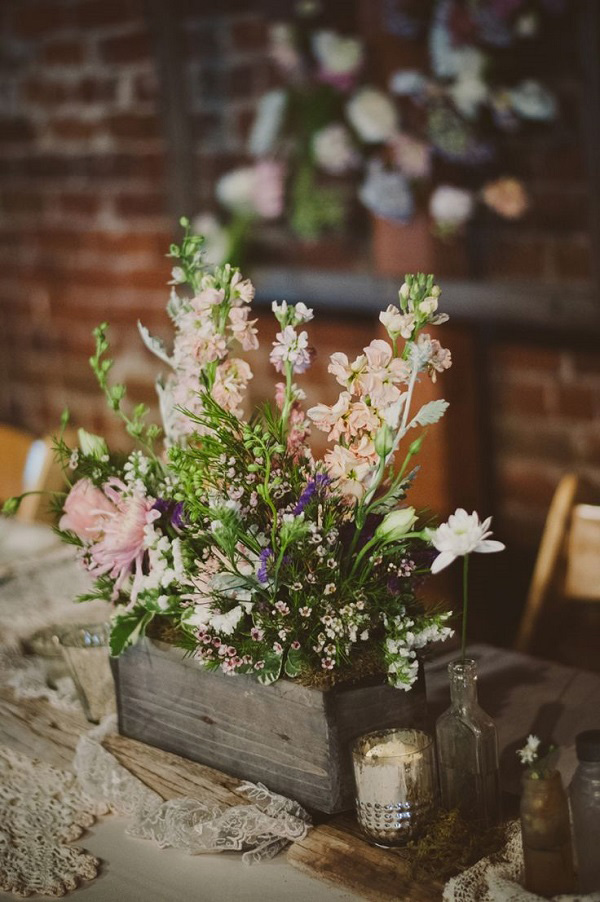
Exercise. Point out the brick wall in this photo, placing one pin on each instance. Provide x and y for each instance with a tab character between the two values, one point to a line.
83	227
546	420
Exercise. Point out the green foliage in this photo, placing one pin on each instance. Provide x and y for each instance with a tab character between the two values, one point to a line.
127	628
135	424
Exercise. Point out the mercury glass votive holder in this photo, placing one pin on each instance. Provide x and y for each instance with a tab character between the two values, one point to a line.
396	784
85	648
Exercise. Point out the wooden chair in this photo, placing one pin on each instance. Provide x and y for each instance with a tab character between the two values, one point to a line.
27	464
566	576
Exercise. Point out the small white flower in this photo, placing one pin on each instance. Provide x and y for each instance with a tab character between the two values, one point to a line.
329	589
529	753
461	535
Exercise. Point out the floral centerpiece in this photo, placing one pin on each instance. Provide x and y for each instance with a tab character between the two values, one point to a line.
263	559
432	142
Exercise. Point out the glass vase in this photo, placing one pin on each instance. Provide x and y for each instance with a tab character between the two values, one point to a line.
85	649
545	827
467	746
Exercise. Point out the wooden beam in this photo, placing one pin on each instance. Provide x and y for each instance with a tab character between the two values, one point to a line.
589	40
174	108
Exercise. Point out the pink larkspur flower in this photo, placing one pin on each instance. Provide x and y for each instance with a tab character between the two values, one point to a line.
85	511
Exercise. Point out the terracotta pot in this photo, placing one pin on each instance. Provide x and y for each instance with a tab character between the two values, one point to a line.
408	248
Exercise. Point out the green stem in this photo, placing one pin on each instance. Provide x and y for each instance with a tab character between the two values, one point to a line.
465	605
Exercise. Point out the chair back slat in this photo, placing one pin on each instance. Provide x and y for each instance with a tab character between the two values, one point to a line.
582	576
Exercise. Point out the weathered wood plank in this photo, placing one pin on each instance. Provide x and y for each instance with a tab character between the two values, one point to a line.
332	852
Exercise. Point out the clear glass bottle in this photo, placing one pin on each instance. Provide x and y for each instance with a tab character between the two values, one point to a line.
546	831
584	793
467	747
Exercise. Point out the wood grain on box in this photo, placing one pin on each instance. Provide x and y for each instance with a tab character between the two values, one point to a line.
295	739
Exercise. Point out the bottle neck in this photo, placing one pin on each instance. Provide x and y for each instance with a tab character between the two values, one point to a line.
463	683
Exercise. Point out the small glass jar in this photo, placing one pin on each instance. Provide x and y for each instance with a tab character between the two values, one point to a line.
85	650
584	793
467	747
396	785
547	849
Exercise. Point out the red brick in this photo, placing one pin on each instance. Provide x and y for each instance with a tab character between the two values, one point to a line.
45	92
38	19
125	125
95	90
525	357
79	204
578	402
100	13
517	437
129	48
526	481
147	204
522	398
63	52
75	129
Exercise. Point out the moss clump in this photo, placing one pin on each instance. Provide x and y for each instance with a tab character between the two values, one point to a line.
451	845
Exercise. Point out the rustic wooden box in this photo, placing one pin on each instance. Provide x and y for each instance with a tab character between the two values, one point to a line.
294	739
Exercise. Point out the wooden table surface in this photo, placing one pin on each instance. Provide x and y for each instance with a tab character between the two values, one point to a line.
521	693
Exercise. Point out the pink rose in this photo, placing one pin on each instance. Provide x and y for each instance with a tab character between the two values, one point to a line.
85	511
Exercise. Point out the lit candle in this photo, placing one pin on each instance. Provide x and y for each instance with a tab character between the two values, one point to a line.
396	785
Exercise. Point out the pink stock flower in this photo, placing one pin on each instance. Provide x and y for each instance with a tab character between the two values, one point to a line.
121	548
348	470
207	298
436	358
231	380
291	347
242	290
85	510
331	419
242	328
346	373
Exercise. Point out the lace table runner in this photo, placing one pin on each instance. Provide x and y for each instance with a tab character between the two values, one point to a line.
42	810
497	879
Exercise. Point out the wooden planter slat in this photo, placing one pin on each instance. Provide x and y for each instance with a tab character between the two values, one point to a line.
294	739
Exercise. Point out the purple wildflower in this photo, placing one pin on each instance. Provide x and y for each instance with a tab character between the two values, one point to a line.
320	481
173	510
261	575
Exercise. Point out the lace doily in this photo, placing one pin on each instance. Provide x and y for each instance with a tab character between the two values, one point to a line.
259	829
498	880
42	810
